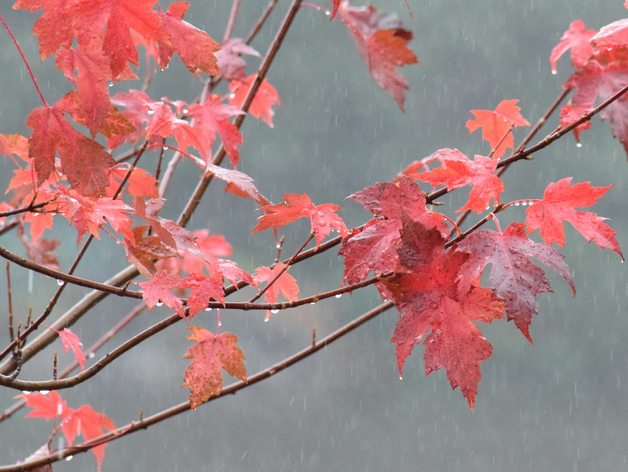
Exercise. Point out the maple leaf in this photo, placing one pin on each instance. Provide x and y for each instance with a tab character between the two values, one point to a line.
322	217
140	183
458	170
194	46
141	250
84	420
382	43
158	291
230	271
41	252
170	233
570	114
596	83
90	424
44	406
238	183
514	278
14	144
375	247
230	63
558	205
211	246
213	117
84	161
89	214
495	124
93	104
203	289
54	26
71	341
425	292
286	284
211	354
575	38
611	43
263	102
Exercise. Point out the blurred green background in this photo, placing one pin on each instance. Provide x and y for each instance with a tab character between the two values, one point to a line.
560	404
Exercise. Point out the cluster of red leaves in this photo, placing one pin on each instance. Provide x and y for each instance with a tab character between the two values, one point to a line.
601	62
84	420
436	290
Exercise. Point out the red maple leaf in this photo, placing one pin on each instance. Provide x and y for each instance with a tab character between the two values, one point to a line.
238	183
425	292
89	214
559	204
495	124
262	105
570	114
322	217
84	161
230	271
194	46
84	420
383	44
72	341
92	104
211	246
375	248
230	63
596	83
514	278
203	289
575	38
211	354
41	250
90	424
170	233
286	284
213	117
158	291
458	170
140	183
14	144
45	406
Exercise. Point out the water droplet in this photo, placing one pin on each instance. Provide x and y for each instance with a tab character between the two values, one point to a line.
110	84
554	72
232	96
274	311
313	303
150	112
524	203
278	246
26	392
266	320
220	323
160	304
91	355
44	392
185	110
327	13
516	204
208	309
578	144
60	283
69	458
400	377
339	295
